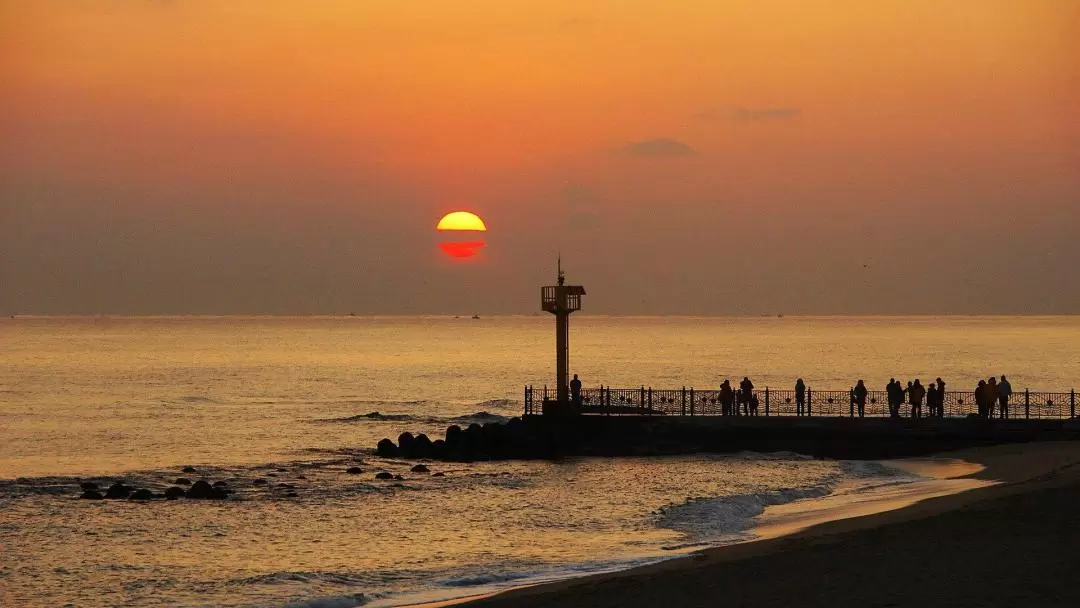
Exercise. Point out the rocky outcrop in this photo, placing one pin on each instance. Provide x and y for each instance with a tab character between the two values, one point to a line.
172	493
204	491
117	491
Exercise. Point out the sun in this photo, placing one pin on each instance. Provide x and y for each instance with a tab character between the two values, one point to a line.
461	220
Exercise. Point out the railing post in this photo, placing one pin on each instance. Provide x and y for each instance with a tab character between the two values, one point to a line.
766	401
528	410
809	400
851	402
607	399
684	401
650	401
1072	404
691	401
641	401
1027	403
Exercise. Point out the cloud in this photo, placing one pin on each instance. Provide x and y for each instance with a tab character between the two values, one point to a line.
660	147
750	114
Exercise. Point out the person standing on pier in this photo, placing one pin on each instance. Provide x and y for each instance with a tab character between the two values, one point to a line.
746	389
727	399
915	398
800	397
932	397
860	393
1004	391
980	398
941	397
575	391
895	394
991	396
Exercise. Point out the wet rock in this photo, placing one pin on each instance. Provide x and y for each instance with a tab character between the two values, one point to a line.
399	478
421	447
117	490
203	490
141	494
453	436
419	468
220	484
91	495
384	475
174	492
354	470
188	469
386	448
439	474
182	481
88	485
259	482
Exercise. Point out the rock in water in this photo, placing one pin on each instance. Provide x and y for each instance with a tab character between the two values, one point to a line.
141	494
188	469
354	470
439	474
88	485
203	490
419	468
259	482
174	492
421	447
405	442
182	481
91	495
117	490
384	475
386	448
220	484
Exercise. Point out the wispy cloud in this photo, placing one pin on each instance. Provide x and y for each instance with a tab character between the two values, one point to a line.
660	147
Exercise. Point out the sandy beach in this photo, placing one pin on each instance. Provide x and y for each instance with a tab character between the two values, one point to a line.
1012	543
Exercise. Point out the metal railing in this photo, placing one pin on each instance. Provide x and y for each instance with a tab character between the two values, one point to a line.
648	401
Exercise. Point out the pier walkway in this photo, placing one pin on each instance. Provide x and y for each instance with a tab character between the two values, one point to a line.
687	401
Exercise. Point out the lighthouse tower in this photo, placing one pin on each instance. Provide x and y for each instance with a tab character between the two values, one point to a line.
561	300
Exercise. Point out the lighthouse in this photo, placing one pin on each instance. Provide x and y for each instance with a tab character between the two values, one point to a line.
561	300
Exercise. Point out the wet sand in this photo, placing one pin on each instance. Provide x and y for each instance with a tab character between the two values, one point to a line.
1010	544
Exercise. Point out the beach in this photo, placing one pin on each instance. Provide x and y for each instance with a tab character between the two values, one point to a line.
1009	544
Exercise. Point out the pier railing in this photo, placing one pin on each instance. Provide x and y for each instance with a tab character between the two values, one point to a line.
647	401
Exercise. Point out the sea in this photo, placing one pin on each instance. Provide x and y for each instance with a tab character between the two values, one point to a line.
280	409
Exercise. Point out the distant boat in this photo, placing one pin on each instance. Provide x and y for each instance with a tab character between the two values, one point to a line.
476	316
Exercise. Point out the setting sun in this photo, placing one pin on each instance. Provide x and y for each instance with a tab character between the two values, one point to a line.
461	220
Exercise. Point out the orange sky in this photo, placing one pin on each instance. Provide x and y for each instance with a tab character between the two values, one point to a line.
536	113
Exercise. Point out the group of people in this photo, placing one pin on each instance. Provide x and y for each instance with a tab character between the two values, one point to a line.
745	397
915	393
990	391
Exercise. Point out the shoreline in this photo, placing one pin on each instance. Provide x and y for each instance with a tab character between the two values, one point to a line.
940	476
1007	472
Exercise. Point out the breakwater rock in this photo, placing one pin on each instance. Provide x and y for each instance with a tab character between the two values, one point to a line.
537	437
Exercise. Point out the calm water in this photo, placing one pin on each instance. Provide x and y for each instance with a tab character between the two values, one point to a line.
289	400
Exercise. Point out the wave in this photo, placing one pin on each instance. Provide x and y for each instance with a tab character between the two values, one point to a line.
284	577
481	417
332	601
368	416
712	519
499	403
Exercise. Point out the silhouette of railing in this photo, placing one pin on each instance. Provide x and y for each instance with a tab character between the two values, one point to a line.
647	401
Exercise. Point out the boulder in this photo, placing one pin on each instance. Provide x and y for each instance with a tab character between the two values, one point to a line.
386	448
174	492
439	474
354	470
384	475
117	490
182	481
203	490
405	442
91	495
421	447
88	485
141	494
453	436
188	469
419	468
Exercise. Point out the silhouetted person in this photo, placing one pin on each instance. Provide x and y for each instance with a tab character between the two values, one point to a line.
727	399
859	393
895	394
800	397
746	390
915	398
932	400
980	398
752	405
575	391
991	396
1004	391
941	397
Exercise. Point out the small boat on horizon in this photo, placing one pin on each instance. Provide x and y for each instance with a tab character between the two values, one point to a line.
476	316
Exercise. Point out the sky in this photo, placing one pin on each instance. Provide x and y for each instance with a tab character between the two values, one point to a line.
736	157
